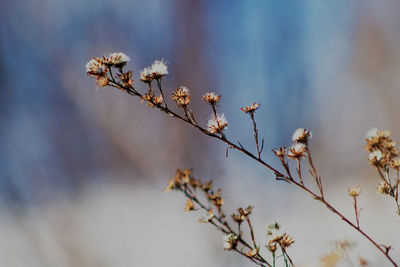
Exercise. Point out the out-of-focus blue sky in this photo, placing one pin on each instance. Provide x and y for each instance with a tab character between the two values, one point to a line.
330	66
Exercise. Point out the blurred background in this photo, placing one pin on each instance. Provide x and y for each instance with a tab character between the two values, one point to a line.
82	170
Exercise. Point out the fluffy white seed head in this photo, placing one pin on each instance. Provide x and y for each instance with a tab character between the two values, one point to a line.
301	135
159	68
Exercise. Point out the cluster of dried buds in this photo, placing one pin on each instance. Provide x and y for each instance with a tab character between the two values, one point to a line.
278	240
384	156
297	151
210	200
99	67
383	150
300	140
184	182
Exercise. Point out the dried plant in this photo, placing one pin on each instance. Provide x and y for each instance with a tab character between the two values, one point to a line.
384	157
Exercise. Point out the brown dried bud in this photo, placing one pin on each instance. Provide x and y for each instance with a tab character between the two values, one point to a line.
230	241
355	191
189	205
250	109
211	98
286	241
181	96
297	151
280	152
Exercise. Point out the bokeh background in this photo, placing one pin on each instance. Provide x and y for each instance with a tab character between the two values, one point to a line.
82	171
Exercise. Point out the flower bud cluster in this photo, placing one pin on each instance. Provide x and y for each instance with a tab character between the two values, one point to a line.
383	150
283	240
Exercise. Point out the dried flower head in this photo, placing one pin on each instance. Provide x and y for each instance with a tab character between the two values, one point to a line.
211	98
95	67
158	100
159	69
271	247
280	152
286	240
216	198
146	75
126	78
253	252
178	177
206	186
372	133
217	124
383	188
210	216
383	149
250	109
102	80
171	185
376	158
148	98
181	96
296	151
239	218
355	191
194	183
395	163
246	212
377	140
189	206
117	59
301	135
151	99
230	241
